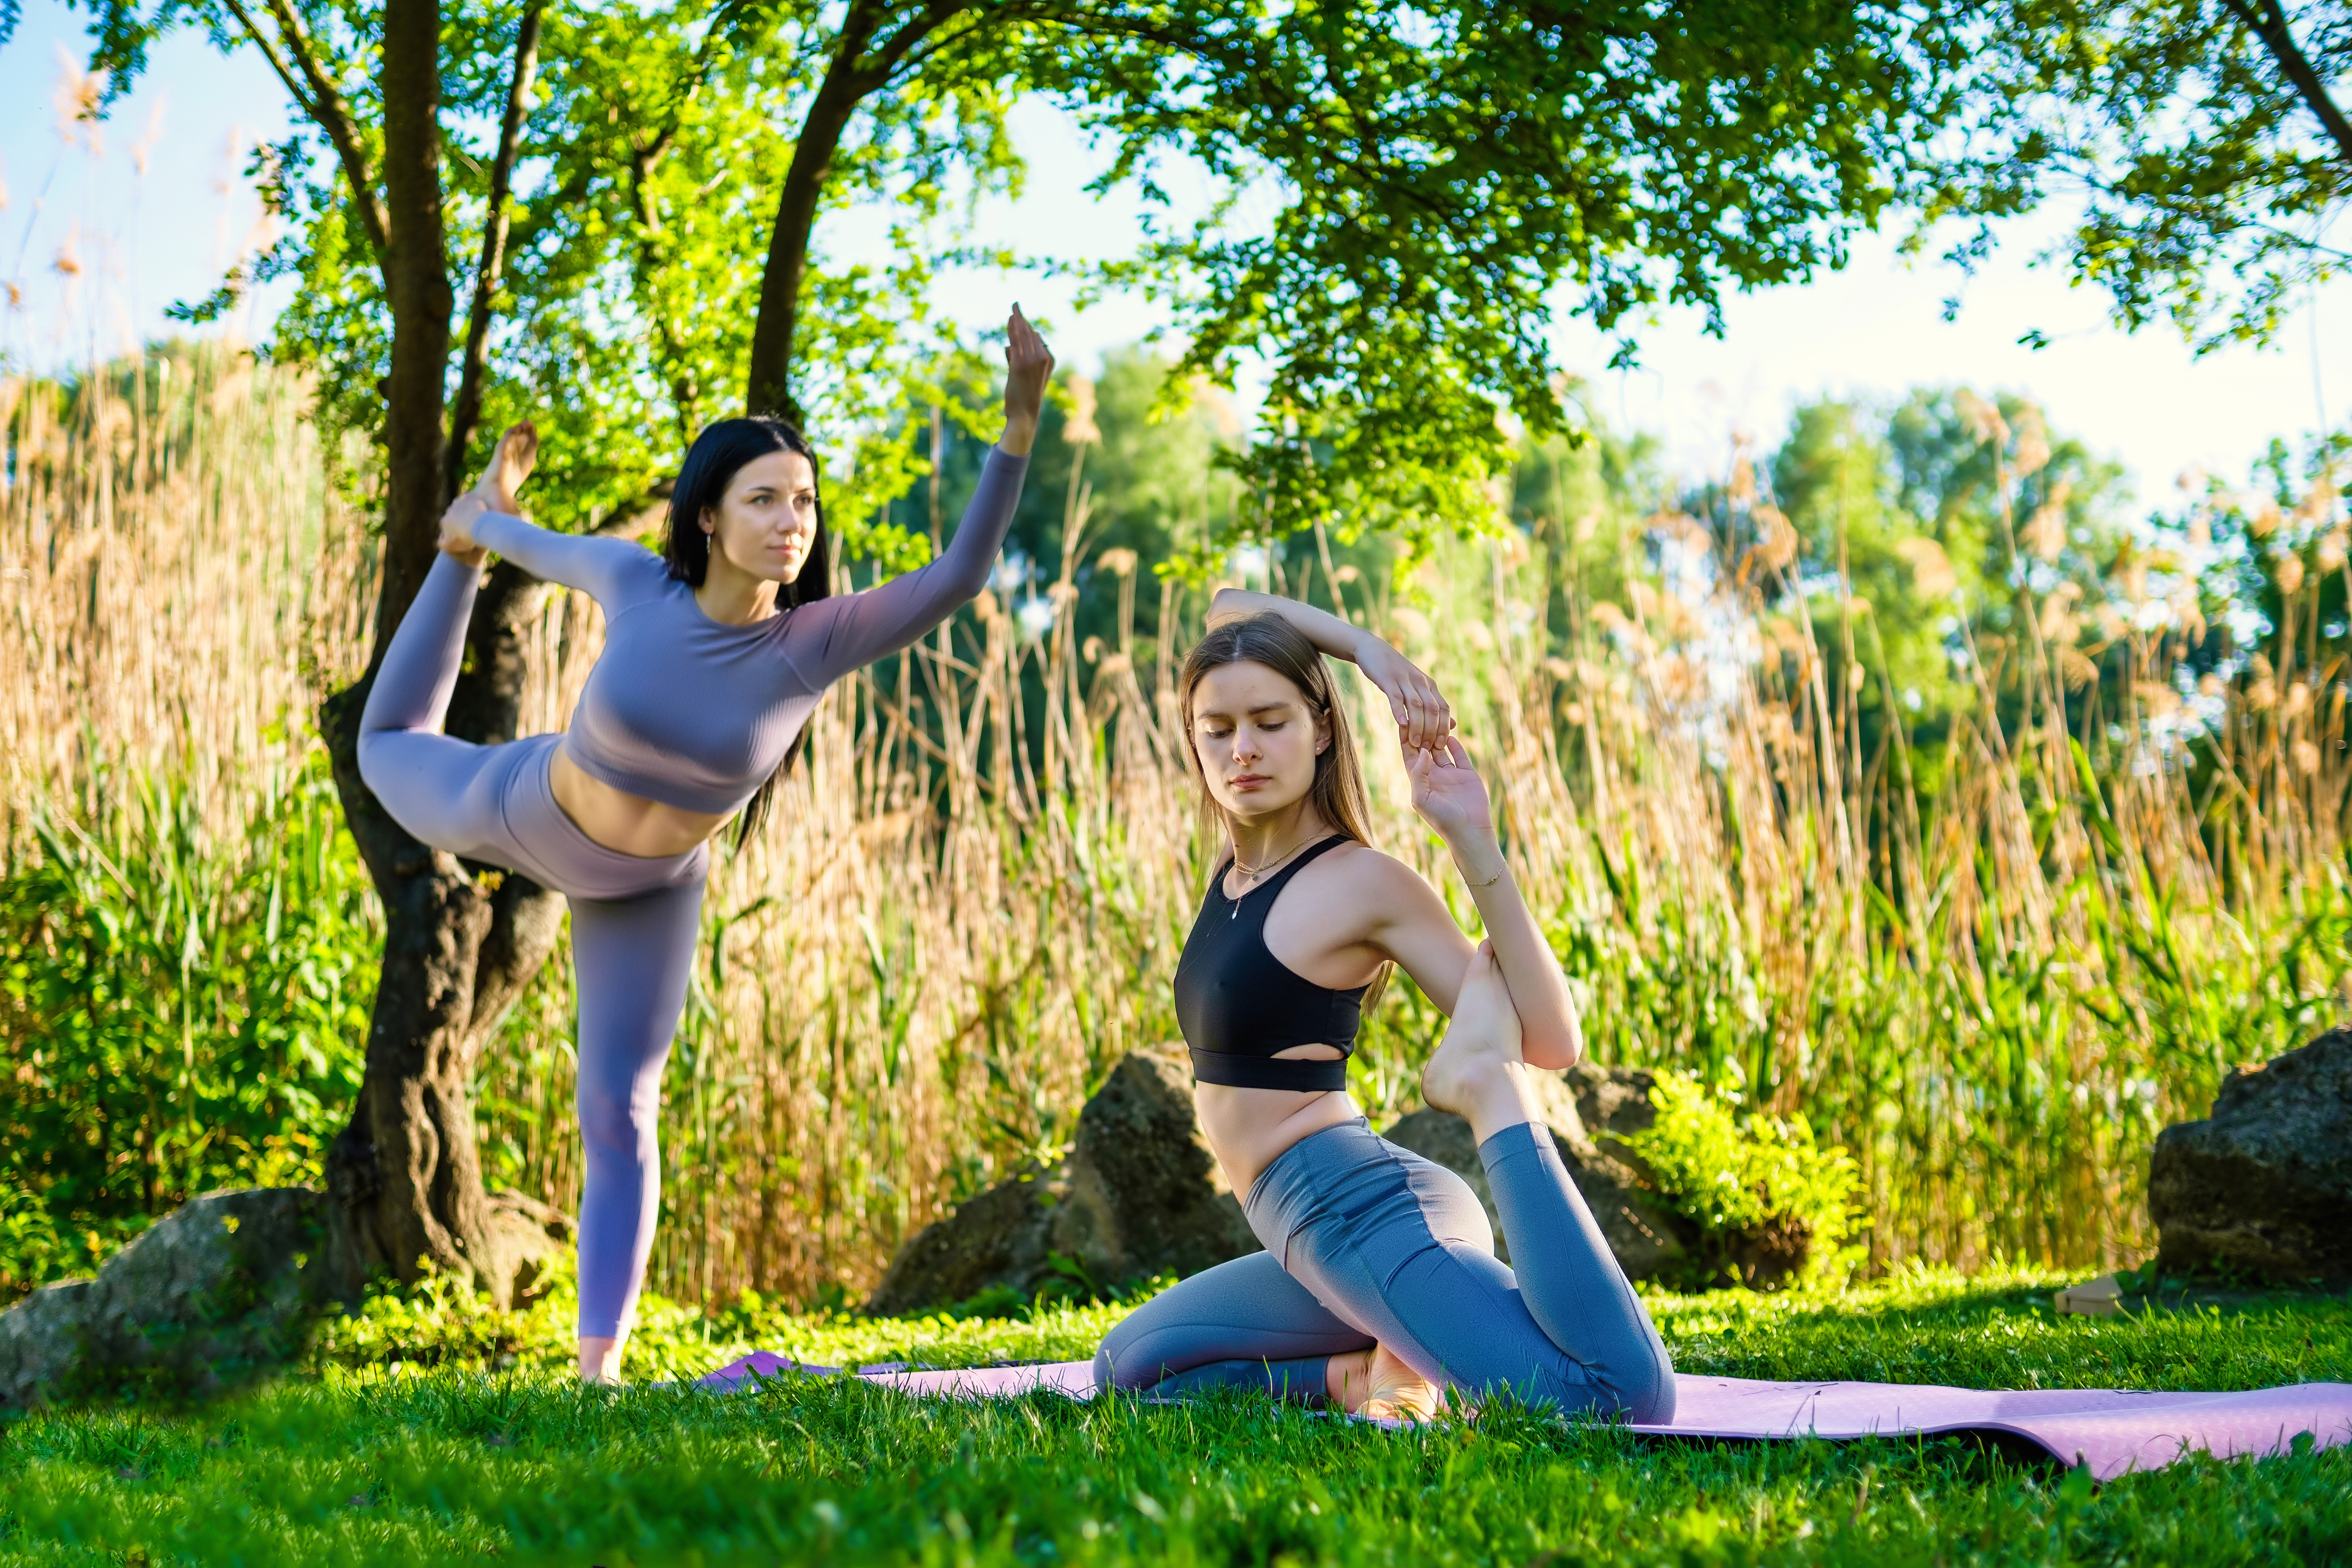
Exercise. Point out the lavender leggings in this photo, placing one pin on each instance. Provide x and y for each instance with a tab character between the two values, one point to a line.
634	920
1367	1242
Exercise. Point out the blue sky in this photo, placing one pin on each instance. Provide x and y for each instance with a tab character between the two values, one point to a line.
143	241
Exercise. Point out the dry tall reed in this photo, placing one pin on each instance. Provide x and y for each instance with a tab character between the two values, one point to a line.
181	583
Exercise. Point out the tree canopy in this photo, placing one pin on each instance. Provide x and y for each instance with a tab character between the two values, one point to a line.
2202	138
625	204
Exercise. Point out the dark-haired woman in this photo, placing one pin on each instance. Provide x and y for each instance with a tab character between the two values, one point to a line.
716	654
1378	1289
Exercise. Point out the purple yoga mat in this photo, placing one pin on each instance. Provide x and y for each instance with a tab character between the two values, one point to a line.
2109	1431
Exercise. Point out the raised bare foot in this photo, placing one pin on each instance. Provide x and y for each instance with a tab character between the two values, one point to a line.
1477	1072
1378	1383
511	463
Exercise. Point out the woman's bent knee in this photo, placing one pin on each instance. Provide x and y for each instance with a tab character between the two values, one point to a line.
372	752
1124	1359
1650	1401
610	1127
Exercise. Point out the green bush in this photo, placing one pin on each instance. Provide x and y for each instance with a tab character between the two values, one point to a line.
181	1013
1768	1204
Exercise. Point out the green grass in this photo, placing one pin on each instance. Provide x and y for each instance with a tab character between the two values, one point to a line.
375	1456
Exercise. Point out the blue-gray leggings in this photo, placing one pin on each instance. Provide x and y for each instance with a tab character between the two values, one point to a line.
1367	1242
634	920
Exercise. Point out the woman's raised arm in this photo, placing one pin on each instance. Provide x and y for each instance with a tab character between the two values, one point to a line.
1451	797
1417	929
1422	712
830	637
487	518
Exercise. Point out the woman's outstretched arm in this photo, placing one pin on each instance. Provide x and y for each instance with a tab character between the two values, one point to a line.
830	637
612	572
486	517
1405	919
1422	712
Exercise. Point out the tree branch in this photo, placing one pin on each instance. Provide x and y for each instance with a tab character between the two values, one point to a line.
848	81
2270	24
268	48
636	521
468	411
325	108
884	62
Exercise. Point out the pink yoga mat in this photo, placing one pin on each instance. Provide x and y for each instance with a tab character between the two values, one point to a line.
2109	1431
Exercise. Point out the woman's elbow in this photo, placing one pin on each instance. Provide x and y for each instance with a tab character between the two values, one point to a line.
1555	1054
957	577
1556	1047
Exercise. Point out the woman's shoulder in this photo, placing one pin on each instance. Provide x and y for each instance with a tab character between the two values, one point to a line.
638	577
1357	866
642	565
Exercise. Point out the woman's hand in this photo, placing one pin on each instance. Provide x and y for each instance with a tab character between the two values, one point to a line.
457	528
1424	716
1028	366
1448	793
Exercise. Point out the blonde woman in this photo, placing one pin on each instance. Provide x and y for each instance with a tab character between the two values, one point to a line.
1378	1289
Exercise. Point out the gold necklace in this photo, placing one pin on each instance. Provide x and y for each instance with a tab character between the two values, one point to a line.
1250	876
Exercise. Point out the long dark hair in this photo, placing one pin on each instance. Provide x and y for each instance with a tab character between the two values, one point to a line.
702	479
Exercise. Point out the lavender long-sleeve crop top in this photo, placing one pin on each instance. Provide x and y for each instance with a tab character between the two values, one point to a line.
683	709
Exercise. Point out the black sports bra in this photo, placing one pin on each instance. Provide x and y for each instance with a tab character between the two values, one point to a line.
1238	1004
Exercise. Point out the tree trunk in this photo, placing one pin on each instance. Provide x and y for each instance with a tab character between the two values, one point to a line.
405	1175
769	388
860	67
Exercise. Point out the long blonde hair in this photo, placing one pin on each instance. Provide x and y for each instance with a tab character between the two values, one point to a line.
1338	793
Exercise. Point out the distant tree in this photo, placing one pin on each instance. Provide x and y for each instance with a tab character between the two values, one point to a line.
1149	456
608	214
1585	505
1921	570
1872	604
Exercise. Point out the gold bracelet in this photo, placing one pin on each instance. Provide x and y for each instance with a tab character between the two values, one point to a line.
1491	880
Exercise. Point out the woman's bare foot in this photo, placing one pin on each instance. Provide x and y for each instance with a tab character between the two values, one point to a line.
1477	1072
511	463
1377	1384
600	1359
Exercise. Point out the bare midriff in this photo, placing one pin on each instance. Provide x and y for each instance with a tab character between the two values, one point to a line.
627	824
1250	1129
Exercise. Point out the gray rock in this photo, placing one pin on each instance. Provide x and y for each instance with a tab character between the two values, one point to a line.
221	1287
1139	1194
1648	1238
1613	1102
2263	1186
1148	1195
226	1286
